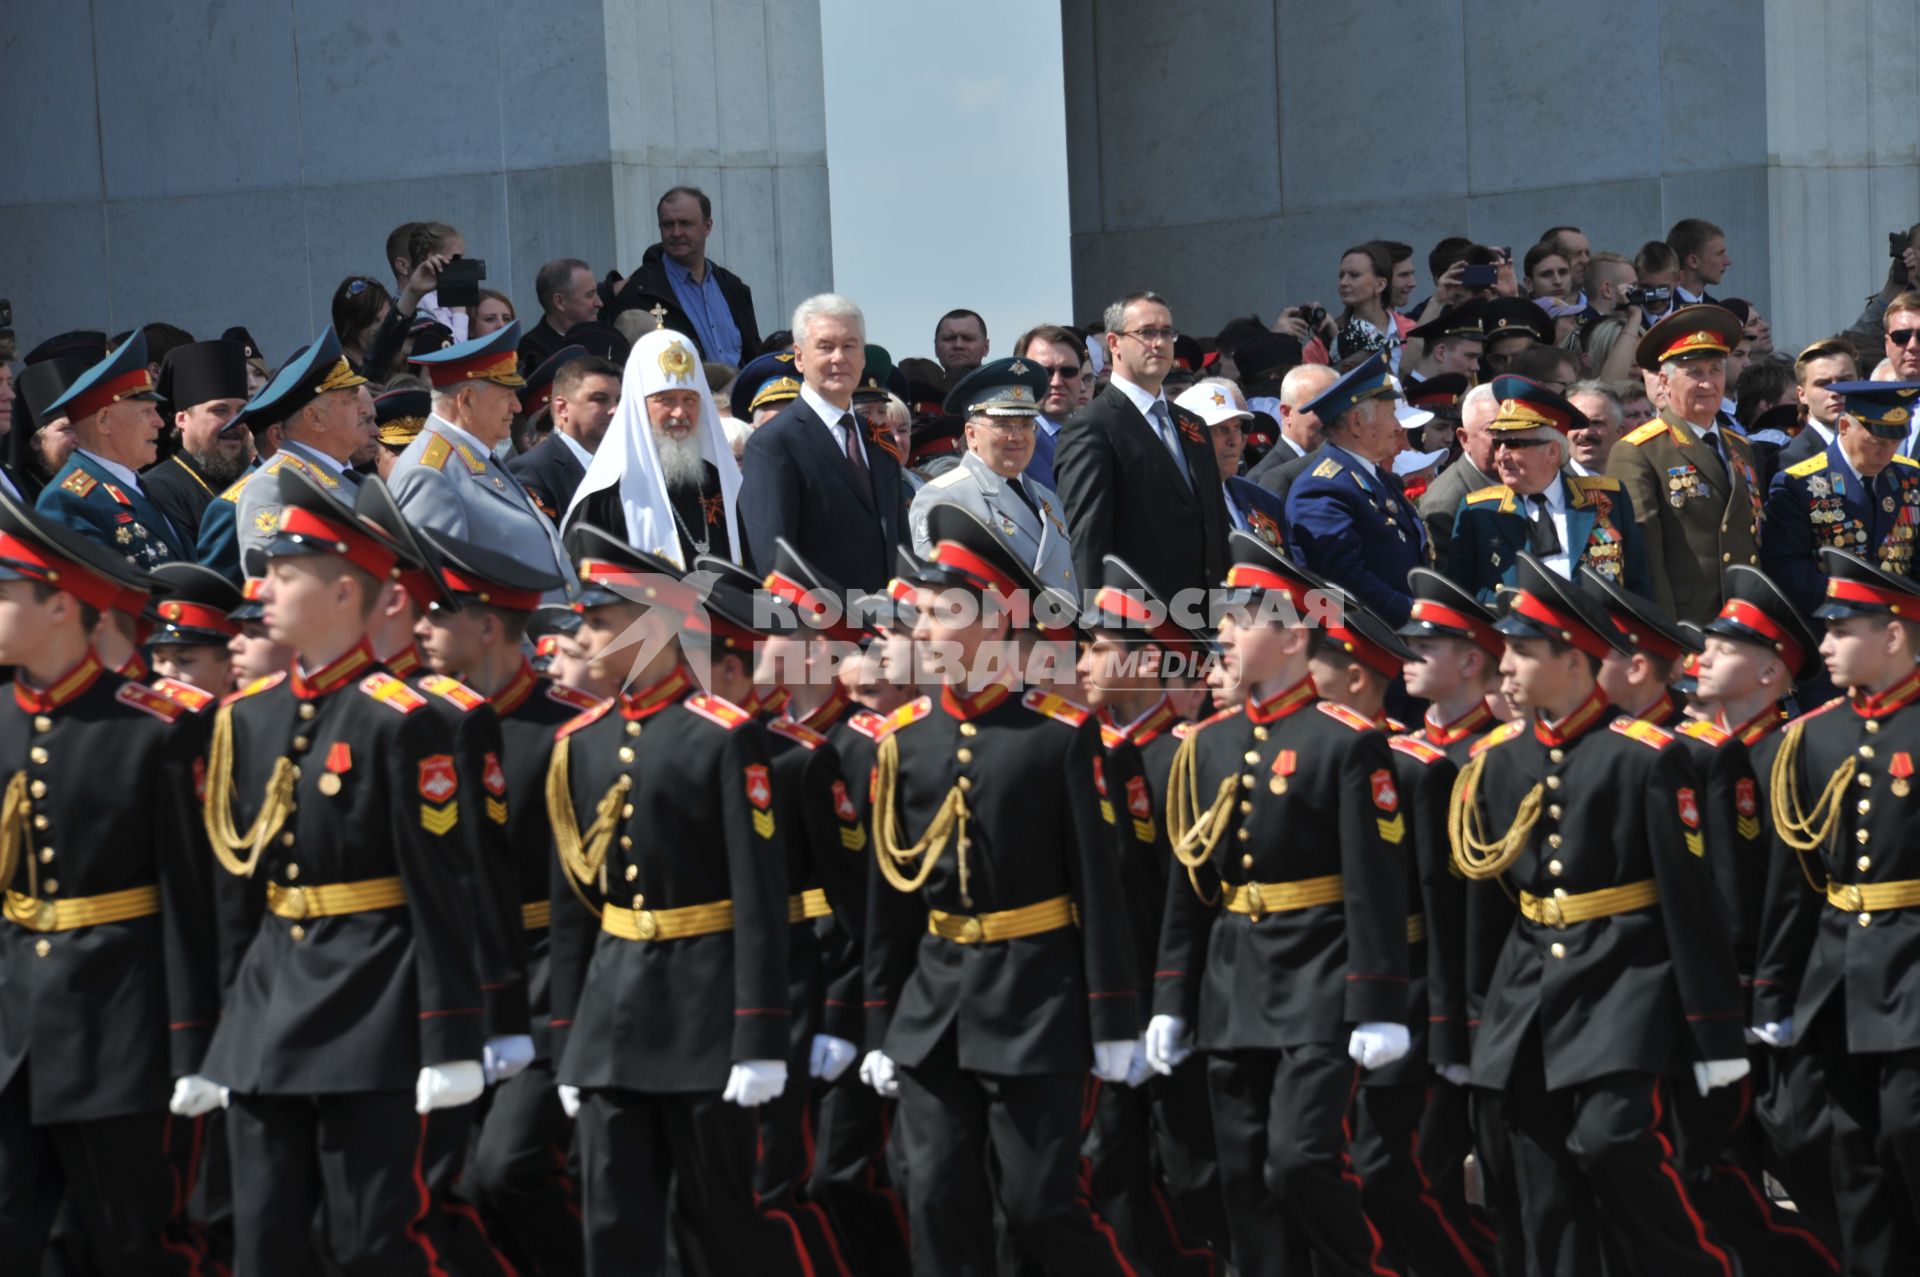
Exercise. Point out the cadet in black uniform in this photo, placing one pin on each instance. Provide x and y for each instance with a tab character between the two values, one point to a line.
1845	954
998	954
1620	972
1152	1170
332	800
1301	974
189	641
108	993
669	1024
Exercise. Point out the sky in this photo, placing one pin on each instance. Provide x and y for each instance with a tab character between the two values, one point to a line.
947	163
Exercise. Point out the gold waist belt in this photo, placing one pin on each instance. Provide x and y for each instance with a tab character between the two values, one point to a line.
1564	910
1007	924
1279	897
644	925
330	900
84	911
808	904
1866	897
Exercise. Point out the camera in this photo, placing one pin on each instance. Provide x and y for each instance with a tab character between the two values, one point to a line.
1897	242
459	282
1313	316
1651	298
1479	276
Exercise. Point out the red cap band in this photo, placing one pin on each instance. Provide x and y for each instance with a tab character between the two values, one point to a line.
89	587
1741	612
1366	651
1569	628
1129	608
499	366
1860	592
350	543
489	594
108	393
951	554
1478	632
197	616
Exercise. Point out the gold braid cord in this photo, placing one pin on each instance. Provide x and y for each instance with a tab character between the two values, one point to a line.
16	840
1195	833
584	855
951	817
1473	855
229	843
1805	829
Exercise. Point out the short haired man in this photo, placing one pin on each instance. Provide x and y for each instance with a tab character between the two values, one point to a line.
1858	494
1136	485
694	294
205	386
1692	483
815	474
1593	439
585	397
449	477
1000	402
568	295
1903	336
1347	519
327	425
1220	407
959	343
1575	248
1059	353
1301	433
1565	520
1815	370
1452	343
1700	248
98	493
1609	277
338	919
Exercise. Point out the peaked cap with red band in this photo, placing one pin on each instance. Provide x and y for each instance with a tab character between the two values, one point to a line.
1645	627
1756	611
1856	587
35	548
121	375
473	573
1545	605
494	357
1126	603
1442	609
1689	332
196	608
313	521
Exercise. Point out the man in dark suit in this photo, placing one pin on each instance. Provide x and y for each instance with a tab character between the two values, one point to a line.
817	474
685	290
1300	430
1137	485
586	391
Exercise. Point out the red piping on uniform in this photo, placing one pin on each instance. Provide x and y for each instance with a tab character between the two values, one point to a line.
1348	1173
414	1232
1775	1224
1432	1203
1680	1188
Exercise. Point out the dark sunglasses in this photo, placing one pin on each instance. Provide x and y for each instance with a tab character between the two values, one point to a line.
1901	336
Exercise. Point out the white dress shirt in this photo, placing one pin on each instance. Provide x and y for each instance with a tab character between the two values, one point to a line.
127	478
827	413
1556	495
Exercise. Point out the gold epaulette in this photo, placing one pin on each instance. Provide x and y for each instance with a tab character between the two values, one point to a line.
571	697
1341	714
1701	729
1055	706
1498	492
1498	736
592	714
1414	747
79	483
1812	465
453	691
391	692
718	710
185	695
1820	709
1327	468
1585	483
913	711
434	455
869	724
1652	430
254	688
1220	717
142	697
1902	459
797	732
1646	733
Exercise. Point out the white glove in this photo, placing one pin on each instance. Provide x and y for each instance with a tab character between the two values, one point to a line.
569	1100
1376	1045
1112	1061
1165	1045
1458	1074
1775	1032
754	1082
195	1096
449	1085
504	1057
1717	1073
878	1072
1138	1070
830	1057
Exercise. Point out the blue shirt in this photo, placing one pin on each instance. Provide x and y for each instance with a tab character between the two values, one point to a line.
712	321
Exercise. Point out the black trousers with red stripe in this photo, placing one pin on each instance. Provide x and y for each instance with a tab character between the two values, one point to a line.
355	1161
950	1120
851	1179
114	1173
1597	1171
1152	1173
1399	1195
1281	1130
786	1165
519	1176
1875	1101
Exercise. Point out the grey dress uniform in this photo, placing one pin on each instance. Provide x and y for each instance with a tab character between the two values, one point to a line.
247	514
1037	533
446	481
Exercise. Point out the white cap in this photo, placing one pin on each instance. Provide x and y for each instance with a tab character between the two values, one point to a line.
1411	418
1211	403
1411	462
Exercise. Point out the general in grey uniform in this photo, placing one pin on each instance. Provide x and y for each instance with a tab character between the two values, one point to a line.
448	479
1000	401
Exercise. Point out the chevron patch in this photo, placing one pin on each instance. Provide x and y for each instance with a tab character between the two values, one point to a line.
854	837
496	810
1393	831
1143	831
1697	844
439	820
763	823
1106	810
1748	827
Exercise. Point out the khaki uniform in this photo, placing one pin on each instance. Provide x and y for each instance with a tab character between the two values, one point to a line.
1696	514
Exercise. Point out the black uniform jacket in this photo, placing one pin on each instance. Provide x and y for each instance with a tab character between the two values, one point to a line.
104	1016
855	734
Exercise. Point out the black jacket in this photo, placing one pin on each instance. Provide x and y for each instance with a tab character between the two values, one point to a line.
550	473
649	285
182	491
797	484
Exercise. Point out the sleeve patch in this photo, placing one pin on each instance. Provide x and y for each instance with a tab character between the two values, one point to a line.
1385	796
438	780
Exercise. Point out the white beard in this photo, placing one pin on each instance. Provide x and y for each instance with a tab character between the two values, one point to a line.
681	464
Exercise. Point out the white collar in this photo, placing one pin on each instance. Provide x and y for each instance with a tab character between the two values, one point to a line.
307	452
114	468
821	408
480	450
1556	495
1138	397
1826	432
580	454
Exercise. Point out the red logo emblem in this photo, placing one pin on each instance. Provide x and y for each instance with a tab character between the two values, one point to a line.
1745	800
1385	796
496	776
438	783
843	802
759	788
1689	809
1139	800
1285	762
1100	778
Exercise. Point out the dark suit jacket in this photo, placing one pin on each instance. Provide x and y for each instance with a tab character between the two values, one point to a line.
1280	478
538	343
1125	496
797	484
649	284
549	472
1285	452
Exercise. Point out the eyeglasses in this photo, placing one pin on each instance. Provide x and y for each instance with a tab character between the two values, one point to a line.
1901	337
1010	425
1151	336
1060	372
1521	445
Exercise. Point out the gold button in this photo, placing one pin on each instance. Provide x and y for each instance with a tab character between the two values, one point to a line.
626	842
42	948
324	789
37	754
1246	805
1556	755
300	743
1864	806
1872	725
1866	919
51	884
38	789
1866	751
1244	836
1553	841
293	872
1863	780
1863	864
626	811
1553	811
286	840
1554	867
633	729
306	710
40	820
964	754
1558	950
968	729
41	723
1253	756
1259	733
626	753
1246	861
1861	835
297	931
1246	782
1553	782
46	855
966	844
964	784
633	872
1726	558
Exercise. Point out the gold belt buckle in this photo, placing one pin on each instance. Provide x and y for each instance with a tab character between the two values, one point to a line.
1551	912
972	931
1256	903
645	925
295	901
1856	899
45	916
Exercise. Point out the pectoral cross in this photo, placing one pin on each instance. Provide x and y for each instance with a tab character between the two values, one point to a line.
659	314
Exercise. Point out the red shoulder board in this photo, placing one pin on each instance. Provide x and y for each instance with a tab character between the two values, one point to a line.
1414	747
1112	737
1646	733
80	483
1341	714
1183	730
1819	710
185	694
391	692
571	697
869	724
1055	706
142	697
1498	736
912	711
1221	717
1701	729
591	715
717	710
454	692
254	688
799	732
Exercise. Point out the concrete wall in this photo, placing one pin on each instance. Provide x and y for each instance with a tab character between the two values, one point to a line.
211	163
1220	152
